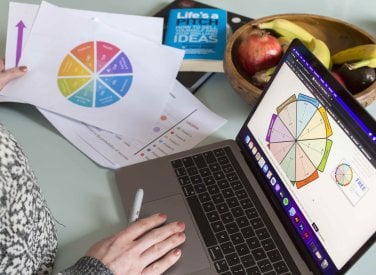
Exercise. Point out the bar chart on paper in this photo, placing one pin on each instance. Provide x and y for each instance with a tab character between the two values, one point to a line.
95	74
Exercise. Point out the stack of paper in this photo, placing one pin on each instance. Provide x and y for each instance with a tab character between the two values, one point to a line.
105	82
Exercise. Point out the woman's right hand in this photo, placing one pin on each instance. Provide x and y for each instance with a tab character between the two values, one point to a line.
10	74
147	246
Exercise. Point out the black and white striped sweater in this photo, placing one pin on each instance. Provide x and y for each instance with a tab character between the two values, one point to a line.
28	239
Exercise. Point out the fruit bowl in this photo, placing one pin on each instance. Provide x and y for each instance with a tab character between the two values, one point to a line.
337	34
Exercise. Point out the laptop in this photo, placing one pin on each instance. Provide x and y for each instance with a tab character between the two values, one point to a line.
294	193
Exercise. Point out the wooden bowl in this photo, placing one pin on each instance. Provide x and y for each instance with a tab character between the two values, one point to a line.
338	35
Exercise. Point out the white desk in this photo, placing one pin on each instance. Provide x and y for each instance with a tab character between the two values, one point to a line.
83	196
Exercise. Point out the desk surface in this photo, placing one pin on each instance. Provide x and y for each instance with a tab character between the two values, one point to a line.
82	196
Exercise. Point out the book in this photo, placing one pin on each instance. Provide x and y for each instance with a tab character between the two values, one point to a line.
194	80
201	33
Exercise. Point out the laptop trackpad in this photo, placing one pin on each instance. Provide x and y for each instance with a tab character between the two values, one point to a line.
193	255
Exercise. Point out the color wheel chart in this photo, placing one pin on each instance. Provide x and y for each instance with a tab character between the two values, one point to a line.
298	138
343	174
348	181
95	74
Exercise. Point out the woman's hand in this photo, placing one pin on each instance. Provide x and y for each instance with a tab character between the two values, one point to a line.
145	247
10	74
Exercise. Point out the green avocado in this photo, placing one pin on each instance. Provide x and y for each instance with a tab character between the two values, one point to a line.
357	80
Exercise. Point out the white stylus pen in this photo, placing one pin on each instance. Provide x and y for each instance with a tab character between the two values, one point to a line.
136	208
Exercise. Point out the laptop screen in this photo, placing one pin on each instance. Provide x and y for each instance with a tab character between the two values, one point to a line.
315	149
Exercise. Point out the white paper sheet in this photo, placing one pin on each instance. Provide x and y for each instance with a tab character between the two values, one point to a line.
183	124
21	18
132	86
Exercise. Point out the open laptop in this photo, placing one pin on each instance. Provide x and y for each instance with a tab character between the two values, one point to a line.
295	193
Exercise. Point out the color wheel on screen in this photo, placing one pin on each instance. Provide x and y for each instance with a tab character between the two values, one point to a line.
343	174
95	74
298	138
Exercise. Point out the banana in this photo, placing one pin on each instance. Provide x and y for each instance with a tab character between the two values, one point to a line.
361	52
287	28
321	51
371	63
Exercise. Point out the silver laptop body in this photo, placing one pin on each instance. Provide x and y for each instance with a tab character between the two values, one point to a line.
299	248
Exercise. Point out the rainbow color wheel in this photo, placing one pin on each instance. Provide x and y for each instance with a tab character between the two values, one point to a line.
343	174
95	74
298	138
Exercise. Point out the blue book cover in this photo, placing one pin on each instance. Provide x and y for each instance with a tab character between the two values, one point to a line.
201	32
194	79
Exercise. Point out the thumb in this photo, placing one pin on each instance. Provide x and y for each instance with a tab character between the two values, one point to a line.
11	74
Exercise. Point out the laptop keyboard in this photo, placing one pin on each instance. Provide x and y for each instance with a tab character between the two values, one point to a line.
233	228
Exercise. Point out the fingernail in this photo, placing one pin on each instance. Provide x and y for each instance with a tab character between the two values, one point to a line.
181	224
163	216
22	68
177	252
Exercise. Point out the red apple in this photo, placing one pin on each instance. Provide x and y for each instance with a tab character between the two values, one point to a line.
259	51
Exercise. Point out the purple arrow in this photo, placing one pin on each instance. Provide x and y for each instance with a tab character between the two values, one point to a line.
20	27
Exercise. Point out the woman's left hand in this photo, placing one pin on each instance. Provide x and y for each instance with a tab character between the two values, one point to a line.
10	74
